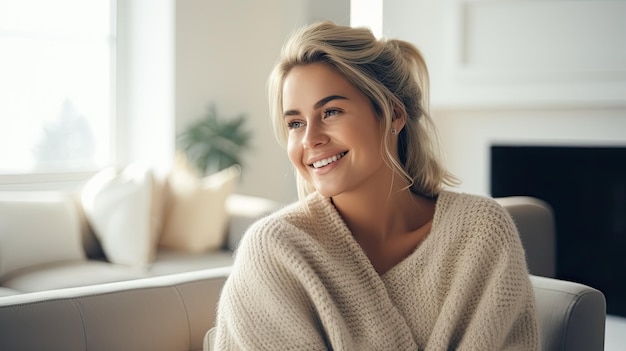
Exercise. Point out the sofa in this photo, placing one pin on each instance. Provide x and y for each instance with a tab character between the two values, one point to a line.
122	225
169	313
176	311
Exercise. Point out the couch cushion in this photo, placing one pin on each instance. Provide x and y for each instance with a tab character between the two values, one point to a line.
70	274
124	210
173	261
37	228
8	292
195	214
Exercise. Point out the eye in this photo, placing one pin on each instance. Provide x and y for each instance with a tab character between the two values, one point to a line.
331	111
295	124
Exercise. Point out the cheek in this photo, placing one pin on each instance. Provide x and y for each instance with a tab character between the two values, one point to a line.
294	152
369	141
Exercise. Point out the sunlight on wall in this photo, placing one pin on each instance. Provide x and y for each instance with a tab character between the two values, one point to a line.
367	13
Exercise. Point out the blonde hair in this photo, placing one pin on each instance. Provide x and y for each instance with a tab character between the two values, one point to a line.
392	74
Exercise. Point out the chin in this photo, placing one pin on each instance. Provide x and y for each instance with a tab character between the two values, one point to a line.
326	192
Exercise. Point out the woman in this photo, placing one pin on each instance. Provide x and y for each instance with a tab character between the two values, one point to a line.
375	255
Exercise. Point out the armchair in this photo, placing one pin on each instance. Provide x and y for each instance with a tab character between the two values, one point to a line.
572	316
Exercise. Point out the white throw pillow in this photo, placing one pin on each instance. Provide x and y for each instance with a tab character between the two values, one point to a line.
124	211
196	218
38	228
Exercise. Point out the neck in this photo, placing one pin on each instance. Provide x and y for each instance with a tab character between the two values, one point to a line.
380	213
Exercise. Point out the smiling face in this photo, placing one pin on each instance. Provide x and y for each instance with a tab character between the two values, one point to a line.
334	136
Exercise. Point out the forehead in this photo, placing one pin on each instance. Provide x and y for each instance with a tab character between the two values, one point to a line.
311	82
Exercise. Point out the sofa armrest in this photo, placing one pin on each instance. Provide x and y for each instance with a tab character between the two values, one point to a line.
243	211
170	312
571	316
534	219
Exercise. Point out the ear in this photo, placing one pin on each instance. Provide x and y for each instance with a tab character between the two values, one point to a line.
398	120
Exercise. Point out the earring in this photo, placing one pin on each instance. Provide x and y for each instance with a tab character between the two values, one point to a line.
393	130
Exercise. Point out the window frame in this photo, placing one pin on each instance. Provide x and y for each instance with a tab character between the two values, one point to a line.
143	94
72	180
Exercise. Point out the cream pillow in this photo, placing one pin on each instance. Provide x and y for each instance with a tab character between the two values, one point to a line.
196	218
38	228
124	211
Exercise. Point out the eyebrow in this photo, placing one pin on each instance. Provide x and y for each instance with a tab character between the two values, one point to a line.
317	105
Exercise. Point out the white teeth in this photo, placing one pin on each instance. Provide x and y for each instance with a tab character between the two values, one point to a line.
326	161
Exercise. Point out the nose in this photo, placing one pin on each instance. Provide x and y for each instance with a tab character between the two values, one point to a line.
314	136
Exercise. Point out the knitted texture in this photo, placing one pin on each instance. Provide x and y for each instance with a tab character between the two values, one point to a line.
301	282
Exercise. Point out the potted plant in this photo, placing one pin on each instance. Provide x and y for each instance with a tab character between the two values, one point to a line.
212	143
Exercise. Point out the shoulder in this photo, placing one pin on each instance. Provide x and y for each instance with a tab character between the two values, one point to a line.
478	216
283	229
471	206
298	215
277	251
268	229
467	200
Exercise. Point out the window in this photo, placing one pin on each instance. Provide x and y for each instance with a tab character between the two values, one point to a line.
367	13
57	86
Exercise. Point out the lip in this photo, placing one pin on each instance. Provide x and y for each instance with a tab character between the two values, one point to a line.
322	171
324	156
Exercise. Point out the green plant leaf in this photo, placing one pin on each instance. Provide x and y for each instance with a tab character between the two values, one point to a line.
212	143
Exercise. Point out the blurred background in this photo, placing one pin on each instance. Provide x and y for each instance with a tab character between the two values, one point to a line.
529	97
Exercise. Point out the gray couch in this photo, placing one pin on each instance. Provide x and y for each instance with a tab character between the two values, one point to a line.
169	313
94	268
174	312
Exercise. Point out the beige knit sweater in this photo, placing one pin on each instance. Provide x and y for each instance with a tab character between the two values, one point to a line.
301	282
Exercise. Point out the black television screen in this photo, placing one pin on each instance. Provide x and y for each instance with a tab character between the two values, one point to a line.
586	186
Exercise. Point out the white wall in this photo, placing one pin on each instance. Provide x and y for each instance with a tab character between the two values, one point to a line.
145	86
225	51
521	72
468	134
501	71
